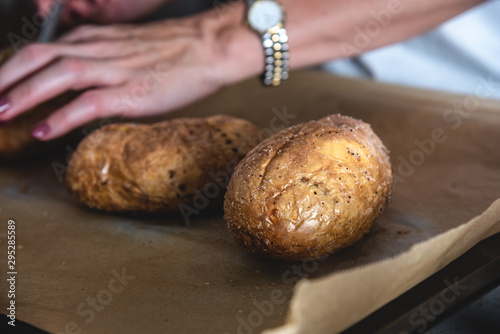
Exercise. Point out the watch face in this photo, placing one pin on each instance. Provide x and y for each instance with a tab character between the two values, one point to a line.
263	15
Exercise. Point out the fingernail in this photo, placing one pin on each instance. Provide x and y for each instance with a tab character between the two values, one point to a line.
4	104
41	130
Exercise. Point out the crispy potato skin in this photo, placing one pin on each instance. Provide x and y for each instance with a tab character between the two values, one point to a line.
156	168
15	136
310	190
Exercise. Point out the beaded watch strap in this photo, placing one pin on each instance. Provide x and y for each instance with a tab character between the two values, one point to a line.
275	43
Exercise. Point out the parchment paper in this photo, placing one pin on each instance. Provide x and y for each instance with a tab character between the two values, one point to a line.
334	303
196	279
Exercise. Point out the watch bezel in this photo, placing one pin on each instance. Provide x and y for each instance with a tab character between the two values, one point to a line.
276	27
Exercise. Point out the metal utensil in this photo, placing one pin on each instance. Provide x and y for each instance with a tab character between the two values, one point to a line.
50	26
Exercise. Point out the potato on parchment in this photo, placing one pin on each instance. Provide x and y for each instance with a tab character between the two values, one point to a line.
159	167
16	140
309	190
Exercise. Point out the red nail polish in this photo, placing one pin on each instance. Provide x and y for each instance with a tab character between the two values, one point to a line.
41	130
4	104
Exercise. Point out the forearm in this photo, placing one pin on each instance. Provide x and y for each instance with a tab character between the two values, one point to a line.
321	30
324	30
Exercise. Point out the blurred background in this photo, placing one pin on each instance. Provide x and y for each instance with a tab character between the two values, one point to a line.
13	11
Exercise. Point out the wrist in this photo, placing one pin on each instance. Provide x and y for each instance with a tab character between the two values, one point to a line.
236	49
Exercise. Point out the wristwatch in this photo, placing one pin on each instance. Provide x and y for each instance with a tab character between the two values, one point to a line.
267	18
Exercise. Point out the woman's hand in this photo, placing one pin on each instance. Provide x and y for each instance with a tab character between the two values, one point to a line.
142	70
129	70
102	11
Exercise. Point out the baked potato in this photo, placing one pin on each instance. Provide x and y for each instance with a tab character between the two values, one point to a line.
15	136
158	167
309	190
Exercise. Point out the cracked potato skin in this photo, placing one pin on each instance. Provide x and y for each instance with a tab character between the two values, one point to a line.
156	168
310	190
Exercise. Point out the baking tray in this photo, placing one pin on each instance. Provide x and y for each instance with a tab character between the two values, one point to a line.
478	269
194	278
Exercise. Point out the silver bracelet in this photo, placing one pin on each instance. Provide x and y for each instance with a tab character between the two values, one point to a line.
277	57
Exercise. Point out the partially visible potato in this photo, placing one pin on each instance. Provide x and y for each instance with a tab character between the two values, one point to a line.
16	140
15	136
6	54
132	167
309	190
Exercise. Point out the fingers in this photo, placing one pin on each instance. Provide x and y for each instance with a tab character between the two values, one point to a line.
79	10
36	56
75	10
63	75
90	105
27	61
44	7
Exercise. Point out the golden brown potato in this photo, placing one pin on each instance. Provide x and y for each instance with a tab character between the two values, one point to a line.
132	167
6	54
16	140
309	190
15	136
